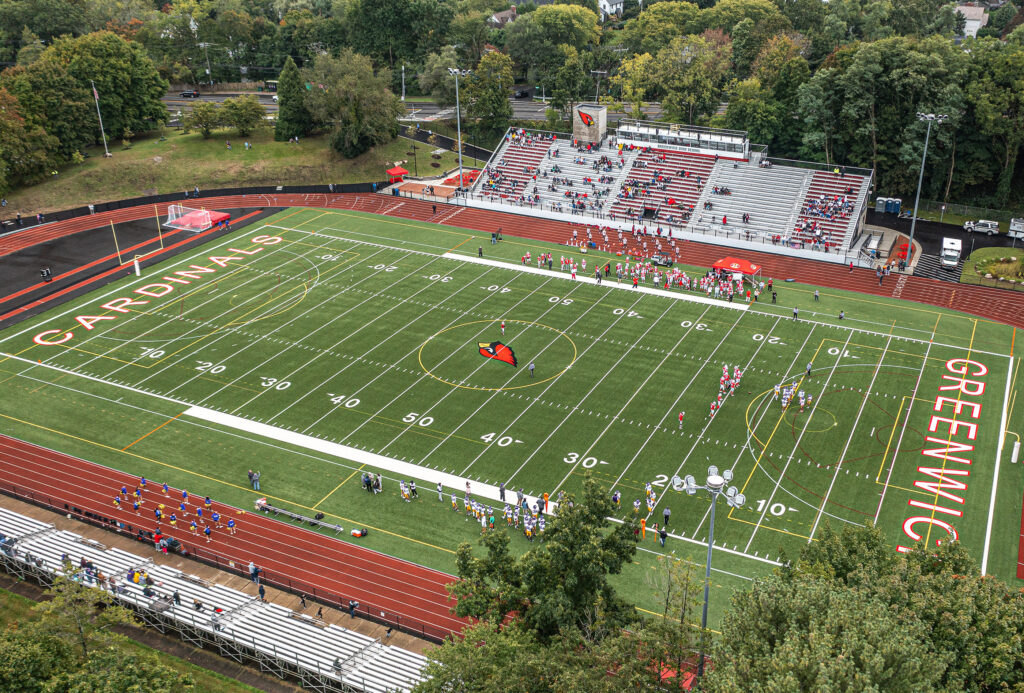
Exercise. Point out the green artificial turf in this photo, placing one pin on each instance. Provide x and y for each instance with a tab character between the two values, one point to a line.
354	329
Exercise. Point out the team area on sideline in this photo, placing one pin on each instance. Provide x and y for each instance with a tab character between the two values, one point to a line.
332	347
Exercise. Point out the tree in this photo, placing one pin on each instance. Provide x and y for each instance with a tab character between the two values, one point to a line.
567	24
852	612
562	582
728	13
998	103
81	616
47	19
635	79
293	117
26	150
205	116
353	101
691	72
753	109
244	113
52	99
27	662
31	47
814	635
396	31
487	91
112	671
571	82
128	84
657	25
435	80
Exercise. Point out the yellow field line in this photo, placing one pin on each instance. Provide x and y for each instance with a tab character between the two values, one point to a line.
452	250
338	486
152	432
778	423
224	483
895	424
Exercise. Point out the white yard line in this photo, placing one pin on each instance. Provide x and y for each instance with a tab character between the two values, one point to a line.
995	473
591	391
897	338
636	392
551	384
226	331
358	359
498	391
482	364
203	250
196	289
842	455
895	452
322	326
723	549
675	404
750	431
187	351
796	444
681	295
455	351
412	351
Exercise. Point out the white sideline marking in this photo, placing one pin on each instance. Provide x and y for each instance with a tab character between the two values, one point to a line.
681	295
402	470
717	547
995	474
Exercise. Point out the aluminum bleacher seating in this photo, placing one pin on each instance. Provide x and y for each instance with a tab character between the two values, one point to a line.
323	656
664	181
830	209
768	195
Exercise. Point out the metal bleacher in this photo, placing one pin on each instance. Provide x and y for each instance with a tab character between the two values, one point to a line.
322	656
768	195
673	185
837	231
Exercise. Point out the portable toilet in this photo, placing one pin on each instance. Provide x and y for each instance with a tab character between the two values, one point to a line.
880	205
897	203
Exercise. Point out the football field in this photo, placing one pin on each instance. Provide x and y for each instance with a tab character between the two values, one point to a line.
319	345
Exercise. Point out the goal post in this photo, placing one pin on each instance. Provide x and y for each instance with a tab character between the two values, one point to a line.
188	218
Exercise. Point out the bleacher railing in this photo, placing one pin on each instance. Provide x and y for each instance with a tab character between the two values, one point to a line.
210	557
744	232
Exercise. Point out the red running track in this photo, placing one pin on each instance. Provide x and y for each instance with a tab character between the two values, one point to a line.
995	304
388	589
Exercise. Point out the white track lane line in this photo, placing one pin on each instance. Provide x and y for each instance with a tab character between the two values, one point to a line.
995	473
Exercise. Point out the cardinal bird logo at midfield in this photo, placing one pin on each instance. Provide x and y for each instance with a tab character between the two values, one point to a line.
586	118
498	352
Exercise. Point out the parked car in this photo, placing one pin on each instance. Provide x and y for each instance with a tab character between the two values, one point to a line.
190	94
982	226
522	93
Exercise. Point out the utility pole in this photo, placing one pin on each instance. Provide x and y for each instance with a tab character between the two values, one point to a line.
597	94
96	96
928	118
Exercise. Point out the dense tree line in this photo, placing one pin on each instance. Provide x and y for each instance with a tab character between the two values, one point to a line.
849	613
840	81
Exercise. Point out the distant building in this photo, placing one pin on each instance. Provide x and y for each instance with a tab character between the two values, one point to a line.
975	17
500	19
610	7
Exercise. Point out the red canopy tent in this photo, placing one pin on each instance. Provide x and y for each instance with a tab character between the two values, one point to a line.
736	265
395	174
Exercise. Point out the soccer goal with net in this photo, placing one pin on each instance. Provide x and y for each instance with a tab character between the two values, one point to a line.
192	219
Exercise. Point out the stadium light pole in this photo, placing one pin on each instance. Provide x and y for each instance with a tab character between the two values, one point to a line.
716	486
928	118
458	116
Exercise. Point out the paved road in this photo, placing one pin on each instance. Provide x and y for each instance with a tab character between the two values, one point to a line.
522	109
